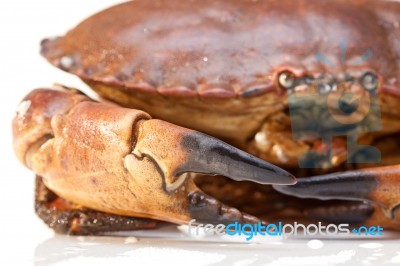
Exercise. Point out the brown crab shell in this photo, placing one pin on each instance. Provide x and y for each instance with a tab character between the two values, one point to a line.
211	65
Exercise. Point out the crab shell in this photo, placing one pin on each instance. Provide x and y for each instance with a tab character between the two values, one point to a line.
212	65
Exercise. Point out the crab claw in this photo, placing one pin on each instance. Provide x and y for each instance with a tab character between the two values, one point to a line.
195	152
378	188
121	161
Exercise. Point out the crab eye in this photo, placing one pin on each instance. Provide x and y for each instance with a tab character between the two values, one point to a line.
286	80
369	81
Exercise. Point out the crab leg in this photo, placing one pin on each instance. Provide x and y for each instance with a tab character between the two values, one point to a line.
122	162
66	218
378	189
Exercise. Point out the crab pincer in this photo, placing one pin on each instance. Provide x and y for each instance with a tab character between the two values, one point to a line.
122	162
378	189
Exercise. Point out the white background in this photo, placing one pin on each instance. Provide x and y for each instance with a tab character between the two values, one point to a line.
25	240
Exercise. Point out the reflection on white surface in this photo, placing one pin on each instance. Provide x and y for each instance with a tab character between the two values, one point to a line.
169	244
340	258
315	244
395	259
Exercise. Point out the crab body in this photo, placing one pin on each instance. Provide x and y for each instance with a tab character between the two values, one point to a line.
234	70
212	66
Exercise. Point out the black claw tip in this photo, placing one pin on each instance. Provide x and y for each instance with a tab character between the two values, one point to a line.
353	185
209	155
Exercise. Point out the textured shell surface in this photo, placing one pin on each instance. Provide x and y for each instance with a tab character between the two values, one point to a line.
224	49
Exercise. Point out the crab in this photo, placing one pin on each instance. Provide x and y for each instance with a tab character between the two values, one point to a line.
195	118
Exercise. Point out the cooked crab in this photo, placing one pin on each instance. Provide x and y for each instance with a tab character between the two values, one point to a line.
237	70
